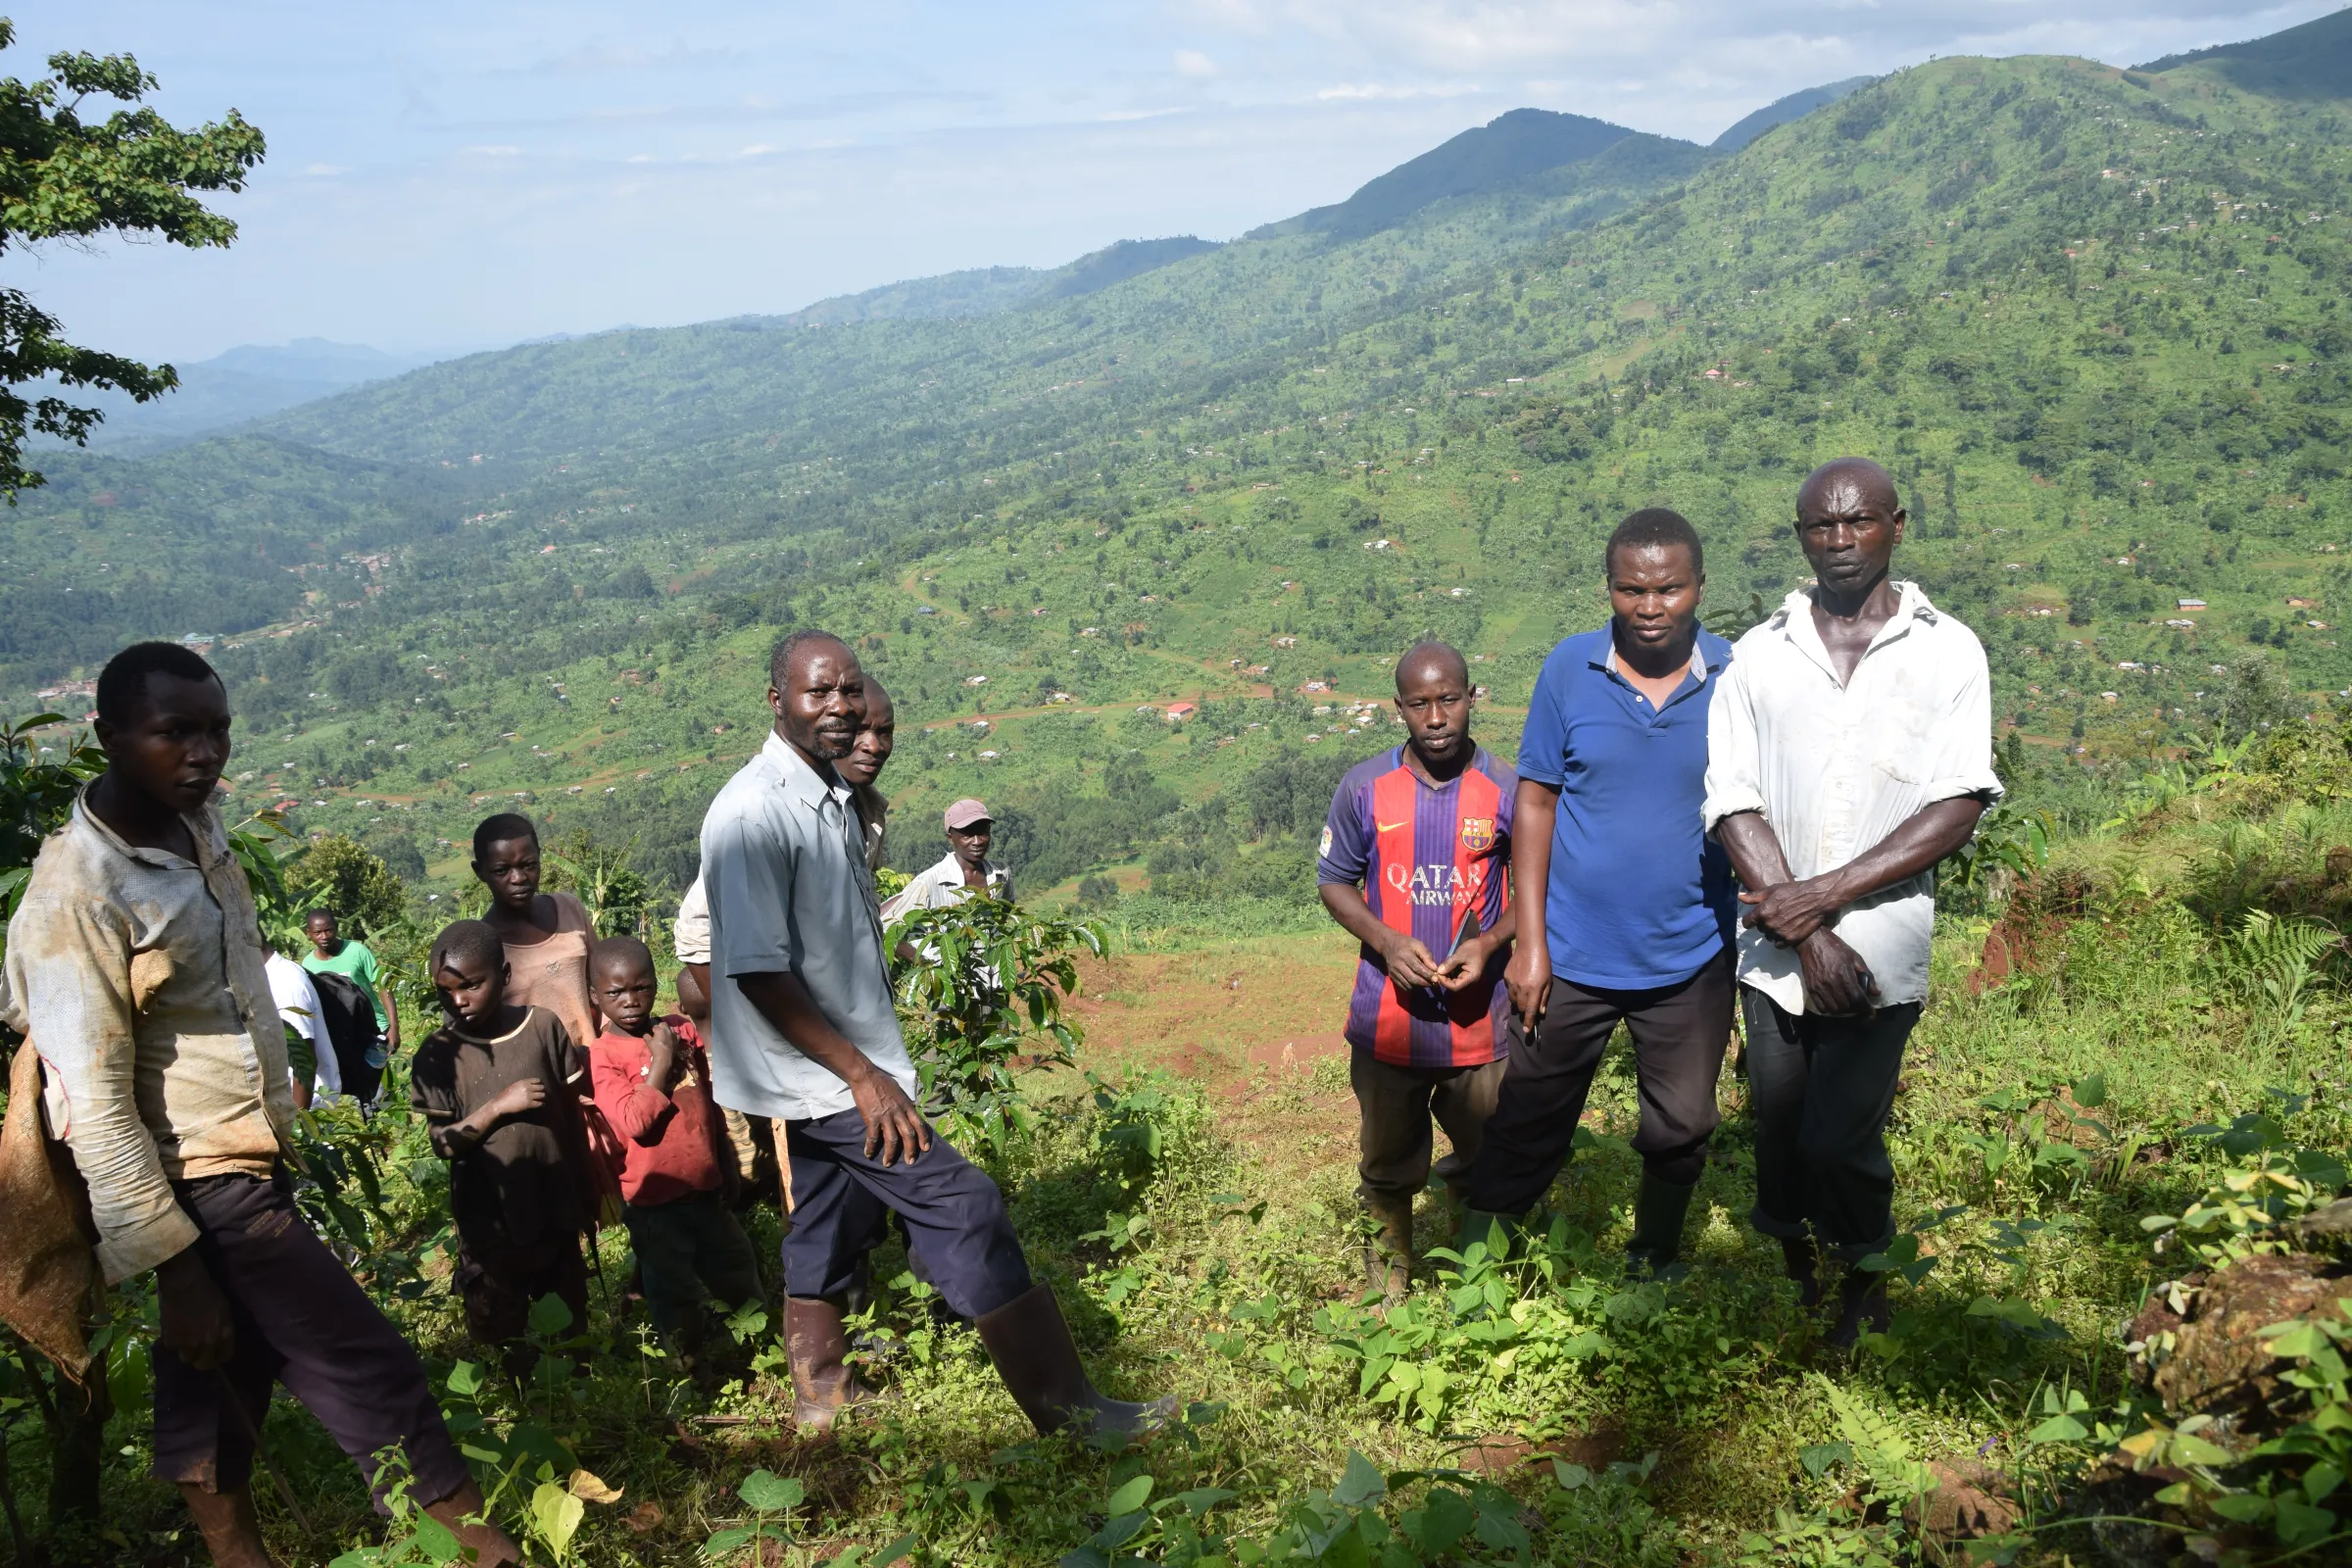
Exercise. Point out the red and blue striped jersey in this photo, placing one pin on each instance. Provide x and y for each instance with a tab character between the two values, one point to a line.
1434	862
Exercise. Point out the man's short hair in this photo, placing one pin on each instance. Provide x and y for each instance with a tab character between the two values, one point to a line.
123	683
503	828
323	912
1424	652
1655	528
467	942
780	659
615	949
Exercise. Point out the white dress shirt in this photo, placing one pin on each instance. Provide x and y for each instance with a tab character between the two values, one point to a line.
690	933
941	884
297	1002
1836	766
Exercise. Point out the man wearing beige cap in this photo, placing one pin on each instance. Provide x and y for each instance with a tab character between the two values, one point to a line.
963	870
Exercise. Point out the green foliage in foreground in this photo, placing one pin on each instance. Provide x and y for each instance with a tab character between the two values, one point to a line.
2163	1091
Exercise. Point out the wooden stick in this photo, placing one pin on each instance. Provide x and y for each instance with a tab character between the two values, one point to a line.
775	1130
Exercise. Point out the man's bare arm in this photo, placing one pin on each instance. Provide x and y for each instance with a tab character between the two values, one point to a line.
1528	976
892	1125
1788	910
1837	983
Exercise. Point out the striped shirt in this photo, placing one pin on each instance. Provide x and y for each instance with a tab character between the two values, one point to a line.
1432	862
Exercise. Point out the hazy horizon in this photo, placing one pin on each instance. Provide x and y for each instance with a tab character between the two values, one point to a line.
449	180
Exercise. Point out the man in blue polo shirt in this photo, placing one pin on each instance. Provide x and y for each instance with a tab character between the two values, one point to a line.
1624	907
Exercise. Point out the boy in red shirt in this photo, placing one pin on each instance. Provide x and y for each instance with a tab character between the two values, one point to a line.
653	1083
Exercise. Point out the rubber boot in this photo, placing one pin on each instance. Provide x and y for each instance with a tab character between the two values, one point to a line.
1801	1262
1389	1250
1861	1309
1659	1208
1029	1341
823	1384
1479	1225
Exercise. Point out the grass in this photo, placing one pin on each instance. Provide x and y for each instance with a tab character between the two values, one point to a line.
1192	1201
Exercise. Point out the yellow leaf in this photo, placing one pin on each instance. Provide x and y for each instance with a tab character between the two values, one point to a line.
590	1488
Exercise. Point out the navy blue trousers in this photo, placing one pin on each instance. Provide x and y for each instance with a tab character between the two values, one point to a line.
957	1227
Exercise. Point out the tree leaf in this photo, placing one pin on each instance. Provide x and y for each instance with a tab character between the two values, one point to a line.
556	1515
1129	1497
768	1493
1362	1484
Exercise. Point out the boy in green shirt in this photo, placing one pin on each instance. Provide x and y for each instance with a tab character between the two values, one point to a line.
330	955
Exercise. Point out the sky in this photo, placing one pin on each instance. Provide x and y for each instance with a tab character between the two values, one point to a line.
449	177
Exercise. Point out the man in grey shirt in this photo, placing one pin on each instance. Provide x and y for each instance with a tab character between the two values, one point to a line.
805	1031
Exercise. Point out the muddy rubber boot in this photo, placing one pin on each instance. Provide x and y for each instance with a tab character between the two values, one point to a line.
1861	1309
1029	1341
1801	1262
1659	1209
1389	1250
823	1384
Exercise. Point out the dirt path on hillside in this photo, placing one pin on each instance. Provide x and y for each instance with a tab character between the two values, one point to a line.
1249	1026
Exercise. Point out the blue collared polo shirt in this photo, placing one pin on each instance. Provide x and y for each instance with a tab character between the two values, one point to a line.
1640	896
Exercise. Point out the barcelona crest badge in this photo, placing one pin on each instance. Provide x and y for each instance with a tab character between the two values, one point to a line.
1478	834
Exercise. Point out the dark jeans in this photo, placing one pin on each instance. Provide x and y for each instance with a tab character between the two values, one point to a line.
685	1248
957	1227
1679	1032
301	1320
1821	1090
1393	1108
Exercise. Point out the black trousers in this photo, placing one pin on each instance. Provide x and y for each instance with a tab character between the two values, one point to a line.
957	1227
301	1320
1821	1091
1679	1032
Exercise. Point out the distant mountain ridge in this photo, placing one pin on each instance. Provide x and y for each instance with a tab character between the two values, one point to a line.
1780	111
2312	61
985	290
240	385
1505	150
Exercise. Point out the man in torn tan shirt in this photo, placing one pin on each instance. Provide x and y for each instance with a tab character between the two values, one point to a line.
136	969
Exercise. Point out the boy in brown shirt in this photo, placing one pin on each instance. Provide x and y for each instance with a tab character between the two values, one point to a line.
498	1086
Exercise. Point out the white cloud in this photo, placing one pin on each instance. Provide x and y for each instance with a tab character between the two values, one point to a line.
434	164
1374	91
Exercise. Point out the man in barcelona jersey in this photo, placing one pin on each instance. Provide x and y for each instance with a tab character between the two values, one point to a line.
1416	860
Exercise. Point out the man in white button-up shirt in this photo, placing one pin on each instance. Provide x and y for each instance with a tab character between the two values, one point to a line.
1850	749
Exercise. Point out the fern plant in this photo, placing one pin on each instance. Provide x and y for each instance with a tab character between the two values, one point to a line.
2271	962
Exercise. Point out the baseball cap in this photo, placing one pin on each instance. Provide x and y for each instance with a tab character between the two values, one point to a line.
964	813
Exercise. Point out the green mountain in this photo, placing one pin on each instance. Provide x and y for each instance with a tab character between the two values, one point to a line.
2313	61
1780	111
2092	320
982	290
240	385
1502	152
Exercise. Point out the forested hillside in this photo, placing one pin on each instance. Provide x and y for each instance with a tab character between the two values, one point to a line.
2091	318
